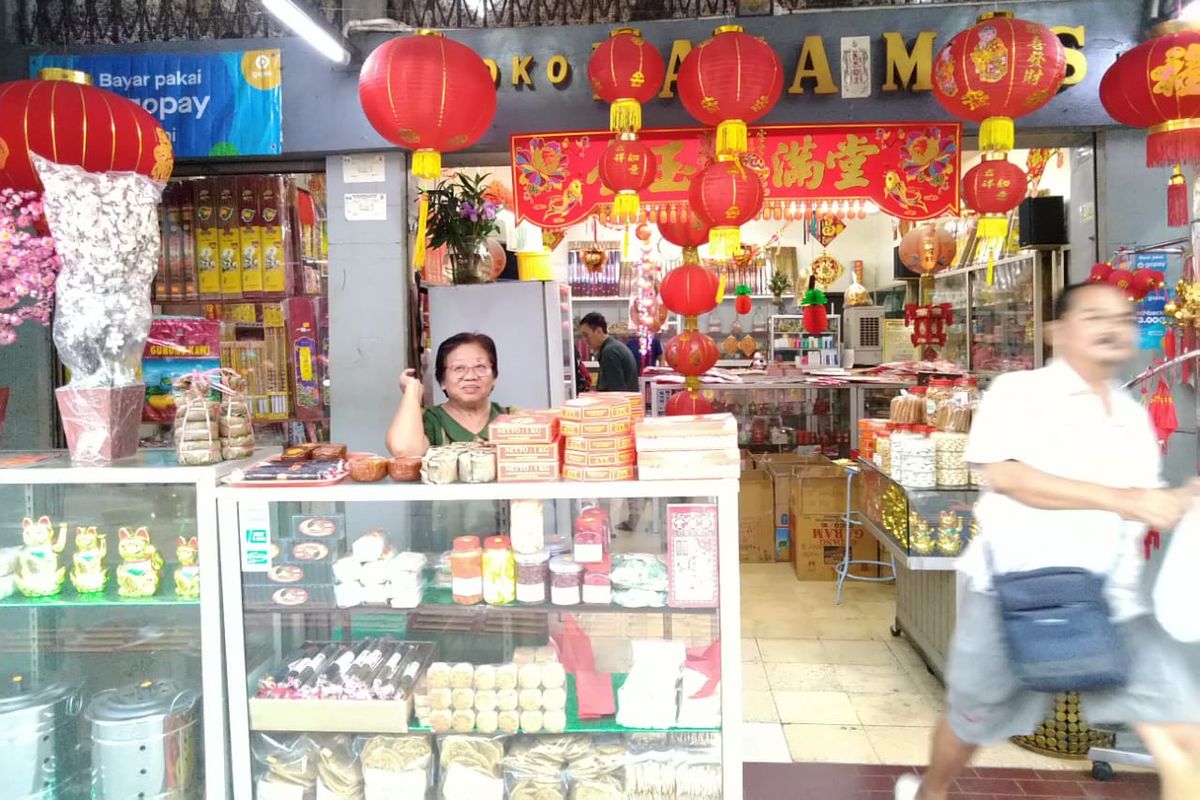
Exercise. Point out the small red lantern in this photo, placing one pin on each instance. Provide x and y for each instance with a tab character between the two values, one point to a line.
1144	282
927	249
730	81
688	231
692	353
814	317
626	71
688	402
1100	272
627	167
1123	280
998	69
726	195
993	188
741	302
689	290
429	94
63	118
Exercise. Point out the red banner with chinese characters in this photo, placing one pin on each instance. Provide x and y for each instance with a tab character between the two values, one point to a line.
909	170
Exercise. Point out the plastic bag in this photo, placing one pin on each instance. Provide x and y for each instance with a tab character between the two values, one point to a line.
1176	593
339	774
197	432
286	767
397	766
235	423
471	767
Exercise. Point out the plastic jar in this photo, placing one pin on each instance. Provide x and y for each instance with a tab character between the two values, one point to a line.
919	470
533	569
949	450
938	395
597	585
466	571
566	578
883	451
901	435
499	571
592	535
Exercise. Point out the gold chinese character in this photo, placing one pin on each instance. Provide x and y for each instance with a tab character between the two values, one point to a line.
1032	76
732	213
637	79
1037	98
850	157
1179	74
975	99
1037	58
710	105
760	103
793	165
673	176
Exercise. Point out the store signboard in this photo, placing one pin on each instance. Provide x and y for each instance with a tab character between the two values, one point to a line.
210	104
1151	319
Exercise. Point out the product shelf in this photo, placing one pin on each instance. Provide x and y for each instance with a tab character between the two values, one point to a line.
69	598
386	491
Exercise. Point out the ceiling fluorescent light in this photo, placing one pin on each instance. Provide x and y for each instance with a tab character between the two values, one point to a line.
309	29
1191	12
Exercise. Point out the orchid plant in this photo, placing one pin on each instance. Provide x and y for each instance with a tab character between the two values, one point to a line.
28	264
460	212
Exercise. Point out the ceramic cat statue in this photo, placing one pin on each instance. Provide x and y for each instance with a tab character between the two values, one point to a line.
38	570
89	575
187	574
141	564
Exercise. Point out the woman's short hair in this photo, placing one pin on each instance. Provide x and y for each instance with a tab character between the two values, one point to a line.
458	340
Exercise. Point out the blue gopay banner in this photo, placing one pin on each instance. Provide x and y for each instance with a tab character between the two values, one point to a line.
210	104
1151	318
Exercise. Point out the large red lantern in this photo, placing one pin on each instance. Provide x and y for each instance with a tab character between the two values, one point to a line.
725	195
998	69
626	71
685	230
688	402
429	94
730	81
993	188
692	353
689	290
65	119
627	167
927	249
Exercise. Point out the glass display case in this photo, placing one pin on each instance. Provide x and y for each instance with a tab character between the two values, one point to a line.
546	640
924	528
111	641
789	342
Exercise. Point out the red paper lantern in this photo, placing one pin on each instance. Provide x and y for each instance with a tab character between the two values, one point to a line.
688	231
1123	280
692	353
741	301
429	94
627	167
689	290
688	402
927	249
993	188
815	319
998	69
730	81
1144	282
726	196
63	118
1100	272
626	71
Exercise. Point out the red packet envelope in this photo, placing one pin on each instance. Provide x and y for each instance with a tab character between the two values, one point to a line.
706	661
575	648
594	692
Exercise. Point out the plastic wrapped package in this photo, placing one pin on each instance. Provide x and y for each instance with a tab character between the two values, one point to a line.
197	431
397	766
639	580
234	422
647	699
286	766
470	767
599	773
339	773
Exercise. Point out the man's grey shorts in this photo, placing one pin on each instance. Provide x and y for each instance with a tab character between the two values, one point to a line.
987	703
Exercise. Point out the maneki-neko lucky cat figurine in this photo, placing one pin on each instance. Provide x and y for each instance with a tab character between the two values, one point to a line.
187	574
38	570
89	575
141	564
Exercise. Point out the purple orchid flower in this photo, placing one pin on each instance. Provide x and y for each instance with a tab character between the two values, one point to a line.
469	210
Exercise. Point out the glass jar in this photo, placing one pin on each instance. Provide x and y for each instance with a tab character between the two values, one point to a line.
499	571
908	407
883	451
939	392
901	435
533	569
592	535
597	585
919	460
566	577
949	451
466	571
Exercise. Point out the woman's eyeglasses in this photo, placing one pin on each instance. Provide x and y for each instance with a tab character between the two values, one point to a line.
460	371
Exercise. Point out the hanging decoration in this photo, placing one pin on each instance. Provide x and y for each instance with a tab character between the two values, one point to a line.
729	81
827	227
628	167
689	290
826	269
814	317
742	303
993	188
1121	278
647	314
726	195
692	354
1161	406
1100	272
429	94
998	69
688	402
856	294
626	72
929	323
1145	281
926	250
61	117
731	346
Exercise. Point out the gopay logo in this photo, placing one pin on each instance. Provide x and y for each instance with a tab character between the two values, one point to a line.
262	61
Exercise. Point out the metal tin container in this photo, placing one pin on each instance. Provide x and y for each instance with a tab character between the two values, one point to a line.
39	738
145	742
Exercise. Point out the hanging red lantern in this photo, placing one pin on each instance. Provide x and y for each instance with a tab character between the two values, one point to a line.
726	196
627	167
1123	280
688	402
741	301
429	94
689	290
626	71
998	69
730	81
692	354
927	249
63	118
1100	272
1143	282
993	188
686	230
814	317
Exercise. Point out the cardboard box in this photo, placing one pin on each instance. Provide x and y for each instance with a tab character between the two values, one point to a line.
274	246
615	427
520	471
528	452
530	427
599	473
597	407
637	403
756	523
250	222
818	542
599	444
614	458
687	432
689	465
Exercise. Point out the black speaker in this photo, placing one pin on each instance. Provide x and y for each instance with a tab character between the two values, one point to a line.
1043	222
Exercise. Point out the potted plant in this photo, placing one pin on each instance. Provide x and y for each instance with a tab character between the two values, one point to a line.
461	217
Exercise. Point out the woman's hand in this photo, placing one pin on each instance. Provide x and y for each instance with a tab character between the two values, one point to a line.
409	380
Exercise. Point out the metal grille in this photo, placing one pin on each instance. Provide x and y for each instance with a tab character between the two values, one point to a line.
532	13
870	334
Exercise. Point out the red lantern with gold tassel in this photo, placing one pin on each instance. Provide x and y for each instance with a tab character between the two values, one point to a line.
63	118
1100	272
689	290
688	402
429	94
726	195
626	71
730	81
692	353
627	167
998	69
688	231
1123	280
992	189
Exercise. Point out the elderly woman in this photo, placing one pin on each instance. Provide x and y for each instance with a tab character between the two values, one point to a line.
466	369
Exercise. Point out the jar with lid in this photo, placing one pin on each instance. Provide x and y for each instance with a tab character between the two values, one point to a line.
908	407
918	460
949	456
938	394
597	585
466	571
901	434
883	451
533	569
499	571
566	577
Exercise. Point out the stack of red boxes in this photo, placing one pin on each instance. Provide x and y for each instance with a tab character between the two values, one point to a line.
598	434
528	447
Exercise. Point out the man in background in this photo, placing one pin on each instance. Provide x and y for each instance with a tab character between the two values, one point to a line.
618	368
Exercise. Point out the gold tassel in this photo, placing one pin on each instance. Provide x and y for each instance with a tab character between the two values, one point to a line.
692	383
625	116
990	230
625	245
422	224
721	287
732	138
996	133
626	205
691	255
427	164
723	243
691	323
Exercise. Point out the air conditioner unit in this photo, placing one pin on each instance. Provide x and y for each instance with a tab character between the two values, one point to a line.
864	334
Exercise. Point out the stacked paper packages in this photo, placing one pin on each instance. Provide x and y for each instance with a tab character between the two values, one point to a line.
683	447
598	432
528	447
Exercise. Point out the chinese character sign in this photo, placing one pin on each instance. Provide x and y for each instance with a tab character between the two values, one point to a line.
910	171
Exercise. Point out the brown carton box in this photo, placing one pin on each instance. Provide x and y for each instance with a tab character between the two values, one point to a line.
756	521
818	542
782	468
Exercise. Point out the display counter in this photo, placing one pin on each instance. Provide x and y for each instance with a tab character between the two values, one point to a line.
370	647
111	639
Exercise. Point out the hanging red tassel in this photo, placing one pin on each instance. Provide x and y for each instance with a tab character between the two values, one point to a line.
1177	200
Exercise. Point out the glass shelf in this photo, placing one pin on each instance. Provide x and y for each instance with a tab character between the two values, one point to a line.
69	598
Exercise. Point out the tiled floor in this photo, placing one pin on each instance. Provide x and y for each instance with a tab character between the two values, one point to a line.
829	684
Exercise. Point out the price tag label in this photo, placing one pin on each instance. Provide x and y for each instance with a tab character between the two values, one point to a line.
256	537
